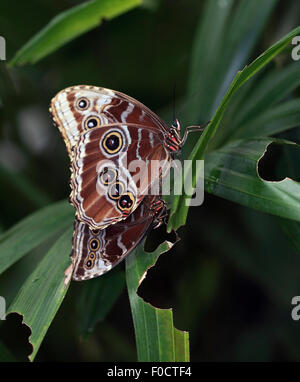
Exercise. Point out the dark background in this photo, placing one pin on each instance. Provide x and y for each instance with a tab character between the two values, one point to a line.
232	276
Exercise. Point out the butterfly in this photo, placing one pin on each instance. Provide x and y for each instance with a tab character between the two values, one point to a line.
104	131
100	126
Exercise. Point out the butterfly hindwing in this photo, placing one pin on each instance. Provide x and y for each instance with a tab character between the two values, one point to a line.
95	252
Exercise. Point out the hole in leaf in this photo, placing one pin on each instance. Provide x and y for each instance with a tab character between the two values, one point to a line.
14	335
151	289
158	288
280	162
157	236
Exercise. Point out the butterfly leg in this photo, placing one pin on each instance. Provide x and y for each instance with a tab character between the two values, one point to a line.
192	129
159	208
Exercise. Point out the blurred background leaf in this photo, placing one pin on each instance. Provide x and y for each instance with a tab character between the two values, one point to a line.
228	43
97	298
69	25
32	231
42	293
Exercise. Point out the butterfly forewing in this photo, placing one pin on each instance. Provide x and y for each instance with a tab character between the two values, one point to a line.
73	110
133	155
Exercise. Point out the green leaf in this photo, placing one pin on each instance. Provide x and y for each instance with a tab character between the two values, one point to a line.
275	120
32	231
292	230
69	25
18	184
231	173
268	91
97	298
179	208
42	293
224	40
157	339
213	23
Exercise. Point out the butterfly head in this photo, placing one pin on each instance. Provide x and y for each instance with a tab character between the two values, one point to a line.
175	124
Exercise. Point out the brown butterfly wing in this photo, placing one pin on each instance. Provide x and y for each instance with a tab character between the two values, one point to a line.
91	196
95	252
107	105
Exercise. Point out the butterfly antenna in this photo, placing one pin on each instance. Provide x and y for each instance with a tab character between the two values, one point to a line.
174	102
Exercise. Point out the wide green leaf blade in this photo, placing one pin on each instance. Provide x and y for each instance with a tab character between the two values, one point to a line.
180	207
275	120
32	231
157	339
231	173
97	299
42	293
269	90
68	25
